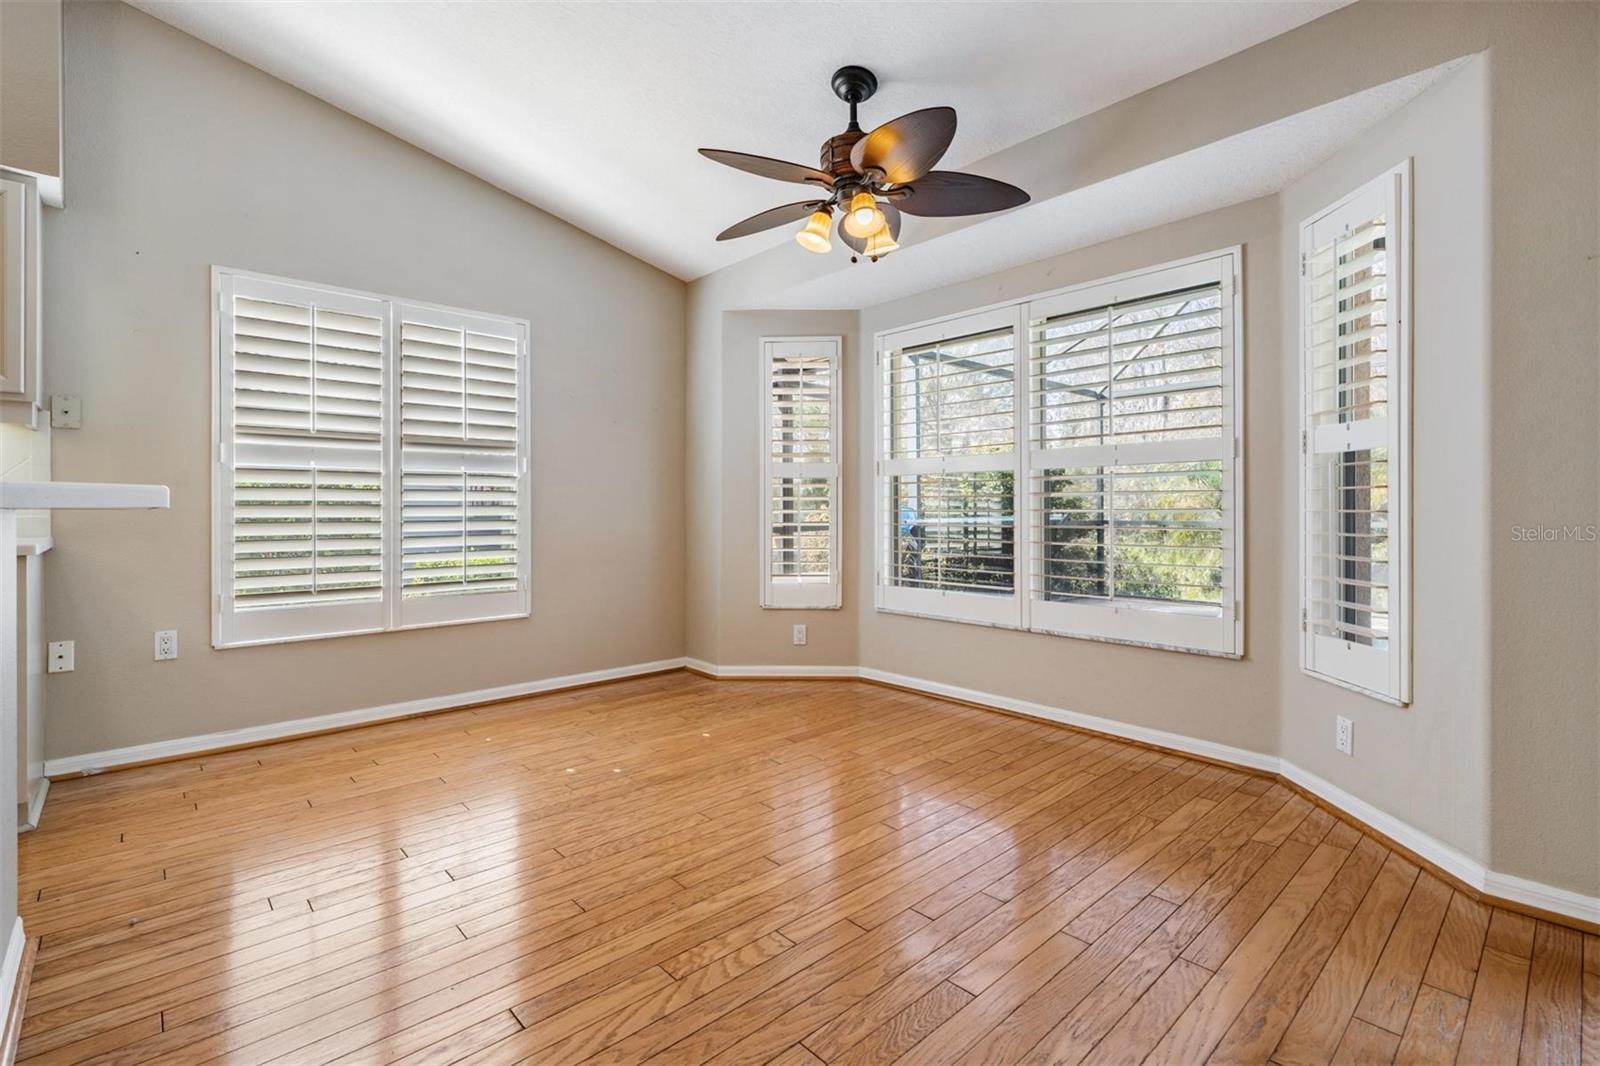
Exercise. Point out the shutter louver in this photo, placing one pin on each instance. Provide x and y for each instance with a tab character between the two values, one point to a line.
1354	548
800	471
302	536
1146	371
299	368
457	387
952	532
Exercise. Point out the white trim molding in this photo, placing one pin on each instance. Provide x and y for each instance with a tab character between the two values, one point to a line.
1205	749
96	762
700	666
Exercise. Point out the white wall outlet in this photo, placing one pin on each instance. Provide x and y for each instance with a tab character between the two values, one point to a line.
63	654
166	644
799	634
66	412
1344	732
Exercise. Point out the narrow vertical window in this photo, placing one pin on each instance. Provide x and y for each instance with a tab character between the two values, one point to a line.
800	379
1355	433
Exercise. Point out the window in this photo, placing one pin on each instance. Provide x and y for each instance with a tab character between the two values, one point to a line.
949	468
800	472
1127	462
1355	434
371	463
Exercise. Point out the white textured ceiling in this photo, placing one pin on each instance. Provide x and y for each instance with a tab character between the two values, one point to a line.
593	111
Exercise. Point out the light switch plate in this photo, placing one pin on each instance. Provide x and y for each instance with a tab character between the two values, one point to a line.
66	412
62	655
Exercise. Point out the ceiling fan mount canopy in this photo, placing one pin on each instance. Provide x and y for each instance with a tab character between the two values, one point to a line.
854	85
872	177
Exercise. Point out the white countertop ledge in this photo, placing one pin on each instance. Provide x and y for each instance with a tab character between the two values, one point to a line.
80	495
34	545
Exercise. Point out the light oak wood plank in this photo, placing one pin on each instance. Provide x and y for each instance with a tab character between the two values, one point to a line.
1453	966
1494	1019
1433	1032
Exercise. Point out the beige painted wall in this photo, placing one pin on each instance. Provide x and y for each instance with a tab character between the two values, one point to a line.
1224	700
184	157
748	633
30	86
1428	762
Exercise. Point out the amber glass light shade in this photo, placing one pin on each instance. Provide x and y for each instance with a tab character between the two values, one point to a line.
864	218
814	236
881	243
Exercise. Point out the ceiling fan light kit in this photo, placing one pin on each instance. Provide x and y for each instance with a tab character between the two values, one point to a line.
872	177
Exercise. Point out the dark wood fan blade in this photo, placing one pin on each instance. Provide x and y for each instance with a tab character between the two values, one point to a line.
859	244
907	147
776	216
942	193
760	165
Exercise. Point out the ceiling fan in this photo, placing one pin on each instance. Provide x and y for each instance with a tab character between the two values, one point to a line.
872	178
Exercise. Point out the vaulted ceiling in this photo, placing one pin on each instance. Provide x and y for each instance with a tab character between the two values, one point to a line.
593	111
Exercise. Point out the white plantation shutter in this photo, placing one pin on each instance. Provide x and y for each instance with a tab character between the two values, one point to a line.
800	472
1132	454
948	545
1355	441
463	498
1121	448
301	486
369	453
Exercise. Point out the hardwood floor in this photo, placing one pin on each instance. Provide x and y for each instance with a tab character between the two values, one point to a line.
684	870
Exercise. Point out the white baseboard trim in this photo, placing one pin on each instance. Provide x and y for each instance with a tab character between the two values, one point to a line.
95	762
712	670
1206	749
35	808
1459	865
1449	859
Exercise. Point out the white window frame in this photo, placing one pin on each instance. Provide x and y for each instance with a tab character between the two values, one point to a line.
391	612
777	592
1382	675
1219	633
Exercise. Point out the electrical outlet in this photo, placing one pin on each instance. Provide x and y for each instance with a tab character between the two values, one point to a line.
799	634
66	412
166	644
63	654
1344	734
